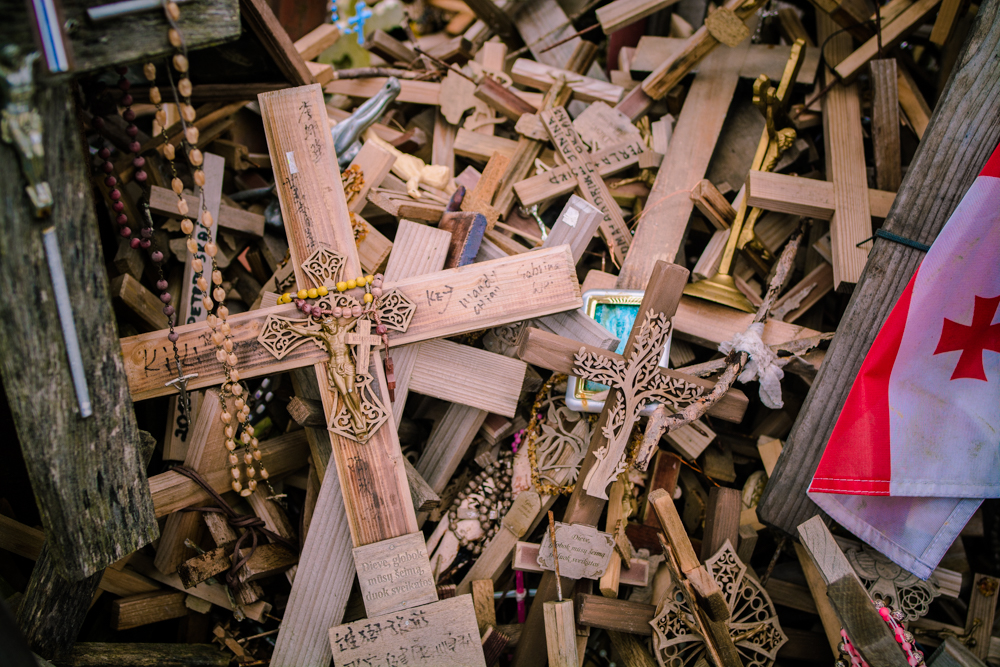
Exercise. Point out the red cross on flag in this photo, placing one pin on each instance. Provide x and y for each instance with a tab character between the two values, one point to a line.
917	445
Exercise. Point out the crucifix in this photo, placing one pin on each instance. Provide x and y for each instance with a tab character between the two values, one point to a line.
588	180
372	481
773	103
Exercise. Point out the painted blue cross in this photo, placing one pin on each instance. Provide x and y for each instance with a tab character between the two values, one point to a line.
357	22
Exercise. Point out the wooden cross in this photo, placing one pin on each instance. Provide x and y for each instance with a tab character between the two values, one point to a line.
591	186
364	341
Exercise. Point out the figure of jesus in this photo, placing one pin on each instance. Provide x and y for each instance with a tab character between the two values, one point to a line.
340	369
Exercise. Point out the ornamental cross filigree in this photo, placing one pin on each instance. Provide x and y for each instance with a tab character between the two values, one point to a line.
637	381
359	410
753	622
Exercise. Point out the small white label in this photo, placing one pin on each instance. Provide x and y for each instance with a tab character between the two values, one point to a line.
572	215
290	156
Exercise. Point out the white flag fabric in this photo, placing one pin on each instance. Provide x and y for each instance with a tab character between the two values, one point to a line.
917	445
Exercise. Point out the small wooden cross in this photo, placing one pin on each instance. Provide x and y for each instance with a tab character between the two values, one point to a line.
363	342
567	142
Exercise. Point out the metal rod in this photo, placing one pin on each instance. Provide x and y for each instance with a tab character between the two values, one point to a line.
116	9
66	320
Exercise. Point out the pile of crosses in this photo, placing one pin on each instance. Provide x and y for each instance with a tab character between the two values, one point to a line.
350	332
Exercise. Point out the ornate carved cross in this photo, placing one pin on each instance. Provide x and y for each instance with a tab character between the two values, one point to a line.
638	382
359	411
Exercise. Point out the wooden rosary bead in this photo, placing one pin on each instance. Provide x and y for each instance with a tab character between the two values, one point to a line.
192	134
175	38
186	225
207	220
182	207
184	87
180	62
154	95
149	71
195	157
188	113
199	178
168	151
177	186
173	11
161	117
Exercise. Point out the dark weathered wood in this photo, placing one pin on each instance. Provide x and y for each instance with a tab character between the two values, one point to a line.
611	614
722	520
86	474
16	651
960	138
953	653
982	609
53	609
99	654
279	45
142	37
868	632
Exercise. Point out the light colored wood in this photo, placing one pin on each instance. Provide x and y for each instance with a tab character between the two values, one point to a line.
145	608
525	559
608	583
322	72
562	179
912	102
133	294
448	443
560	634
395	574
708	262
713	205
691	439
722	520
414	92
492	57
374	249
574	325
826	554
885	124
401	205
172	491
317	40
480	147
849	65
603	126
449	303
264	561
576	225
443	143
845	165
540	76
770	450
805	196
482	600
423	496
852	15
557	354
467	375
164	202
375	163
441	633
480	198
539	26
206	454
620	13
673	528
663	223
766	59
803	296
817	586
613	229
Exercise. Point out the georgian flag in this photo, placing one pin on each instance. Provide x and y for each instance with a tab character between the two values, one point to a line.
917	445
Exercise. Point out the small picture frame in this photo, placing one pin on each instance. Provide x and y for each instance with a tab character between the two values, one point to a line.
615	310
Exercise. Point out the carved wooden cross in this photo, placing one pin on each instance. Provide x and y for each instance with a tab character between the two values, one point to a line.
568	144
364	341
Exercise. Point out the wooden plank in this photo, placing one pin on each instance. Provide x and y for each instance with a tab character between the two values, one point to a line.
563	178
850	64
613	229
318	40
467	375
982	609
560	634
621	615
804	295
576	225
100	654
482	600
139	300
448	443
375	163
414	92
947	19
146	608
620	13
944	166
805	196
885	124
87	475
441	311
722	520
912	102
557	354
852	15
265	25
164	202
663	223
585	89
845	166
481	147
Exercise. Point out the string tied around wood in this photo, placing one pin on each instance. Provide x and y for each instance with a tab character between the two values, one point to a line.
250	524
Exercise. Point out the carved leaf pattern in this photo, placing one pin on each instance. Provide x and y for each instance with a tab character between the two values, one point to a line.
277	340
753	624
883	578
323	266
562	442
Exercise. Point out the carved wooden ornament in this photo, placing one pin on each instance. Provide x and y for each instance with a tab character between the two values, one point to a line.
638	382
753	623
883	579
361	413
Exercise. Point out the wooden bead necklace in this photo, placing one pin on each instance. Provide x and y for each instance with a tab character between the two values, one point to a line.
213	302
491	489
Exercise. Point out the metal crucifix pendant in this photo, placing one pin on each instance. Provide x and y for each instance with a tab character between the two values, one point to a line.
180	383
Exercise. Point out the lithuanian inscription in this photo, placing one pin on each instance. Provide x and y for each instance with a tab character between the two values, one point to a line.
395	574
